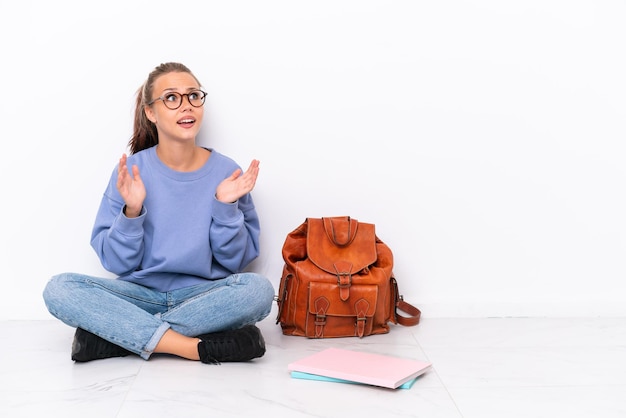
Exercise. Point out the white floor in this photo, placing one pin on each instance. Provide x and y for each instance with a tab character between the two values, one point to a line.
504	368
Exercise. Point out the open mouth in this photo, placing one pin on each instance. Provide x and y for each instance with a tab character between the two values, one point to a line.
186	122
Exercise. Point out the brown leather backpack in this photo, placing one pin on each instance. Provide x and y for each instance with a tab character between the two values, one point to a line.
338	281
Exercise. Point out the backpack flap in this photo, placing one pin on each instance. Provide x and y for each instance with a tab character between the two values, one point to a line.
339	243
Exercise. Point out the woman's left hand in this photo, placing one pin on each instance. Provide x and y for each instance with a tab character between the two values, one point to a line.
238	184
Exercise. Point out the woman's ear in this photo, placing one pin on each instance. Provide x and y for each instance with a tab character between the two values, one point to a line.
150	114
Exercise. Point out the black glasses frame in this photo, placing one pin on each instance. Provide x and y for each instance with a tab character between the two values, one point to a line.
181	96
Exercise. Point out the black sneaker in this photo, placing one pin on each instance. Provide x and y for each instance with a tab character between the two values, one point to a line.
88	346
241	344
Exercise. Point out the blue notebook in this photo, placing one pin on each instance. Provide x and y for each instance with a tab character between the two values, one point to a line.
310	376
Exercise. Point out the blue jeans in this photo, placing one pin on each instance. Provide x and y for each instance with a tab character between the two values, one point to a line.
136	317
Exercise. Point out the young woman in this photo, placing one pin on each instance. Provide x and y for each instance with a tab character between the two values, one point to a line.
178	226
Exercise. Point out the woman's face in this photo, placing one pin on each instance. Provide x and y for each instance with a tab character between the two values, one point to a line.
183	123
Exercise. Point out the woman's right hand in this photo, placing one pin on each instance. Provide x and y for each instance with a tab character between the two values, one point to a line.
131	188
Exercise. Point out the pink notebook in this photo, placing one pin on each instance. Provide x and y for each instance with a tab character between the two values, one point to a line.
357	366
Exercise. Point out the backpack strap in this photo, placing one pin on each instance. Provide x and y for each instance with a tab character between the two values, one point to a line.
400	304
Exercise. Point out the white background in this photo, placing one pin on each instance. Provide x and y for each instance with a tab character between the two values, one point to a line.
485	139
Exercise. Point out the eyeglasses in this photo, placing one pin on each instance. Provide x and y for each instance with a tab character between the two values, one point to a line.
173	100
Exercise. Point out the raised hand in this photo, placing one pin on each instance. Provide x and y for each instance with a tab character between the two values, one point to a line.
238	184
131	188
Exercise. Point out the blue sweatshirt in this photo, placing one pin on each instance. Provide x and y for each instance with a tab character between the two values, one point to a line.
183	235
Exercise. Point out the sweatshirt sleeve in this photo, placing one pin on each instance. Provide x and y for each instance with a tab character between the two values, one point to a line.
234	233
116	239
